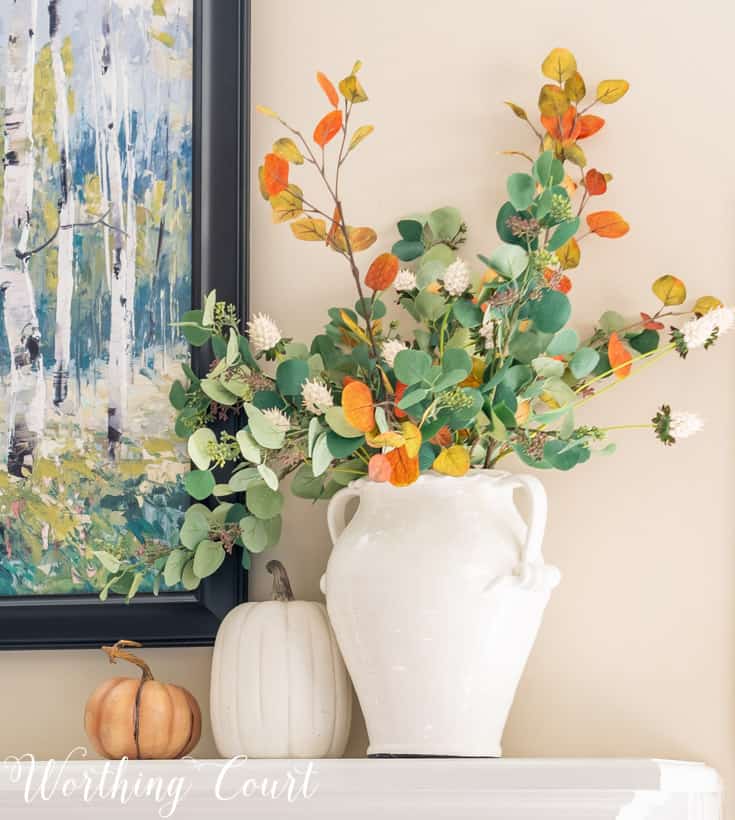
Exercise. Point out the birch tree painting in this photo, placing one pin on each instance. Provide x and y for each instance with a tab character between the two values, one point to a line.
95	272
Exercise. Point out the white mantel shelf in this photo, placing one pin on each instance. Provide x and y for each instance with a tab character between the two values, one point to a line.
451	789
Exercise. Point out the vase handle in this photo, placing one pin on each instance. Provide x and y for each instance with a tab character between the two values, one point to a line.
336	520
531	572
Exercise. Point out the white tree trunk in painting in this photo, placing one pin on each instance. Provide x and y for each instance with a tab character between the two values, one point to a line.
27	388
65	285
120	338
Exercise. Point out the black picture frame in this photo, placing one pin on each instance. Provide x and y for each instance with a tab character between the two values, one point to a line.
219	252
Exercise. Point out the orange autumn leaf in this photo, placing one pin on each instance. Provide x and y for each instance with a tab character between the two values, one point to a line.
357	403
275	174
328	88
565	128
557	281
400	390
404	470
608	224
327	128
589	124
379	468
619	356
442	437
595	182
382	272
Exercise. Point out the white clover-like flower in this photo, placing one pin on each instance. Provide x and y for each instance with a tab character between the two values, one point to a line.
684	425
697	332
263	332
405	281
316	396
278	419
391	349
456	278
486	331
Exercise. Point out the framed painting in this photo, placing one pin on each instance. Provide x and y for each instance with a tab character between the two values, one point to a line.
123	200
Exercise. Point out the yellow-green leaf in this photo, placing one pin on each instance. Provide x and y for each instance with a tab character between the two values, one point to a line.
454	461
670	290
268	112
575	87
261	183
517	110
357	66
361	238
575	154
610	91
559	65
310	229
412	437
359	135
552	101
352	89
287	149
569	254
288	204
705	304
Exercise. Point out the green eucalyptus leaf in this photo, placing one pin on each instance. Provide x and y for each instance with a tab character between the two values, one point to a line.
198	447
501	225
208	312
189	579
467	314
242	480
509	260
194	529
208	558
270	478
263	502
645	341
431	306
407	250
199	484
175	566
262	430
546	367
249	447
521	190
321	458
290	376
445	223
547	170
412	397
335	418
433	264
177	395
563	234
584	362
410	230
412	366
217	392
563	343
611	321
191	327
108	560
342	447
315	429
456	359
551	312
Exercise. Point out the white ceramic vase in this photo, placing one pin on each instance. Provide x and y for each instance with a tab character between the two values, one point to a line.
436	593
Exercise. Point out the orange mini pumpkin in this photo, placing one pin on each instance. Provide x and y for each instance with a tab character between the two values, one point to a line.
141	719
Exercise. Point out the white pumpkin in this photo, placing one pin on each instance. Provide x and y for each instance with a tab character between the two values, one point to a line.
279	685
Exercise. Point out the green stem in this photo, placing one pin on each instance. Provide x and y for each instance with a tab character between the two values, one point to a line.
657	353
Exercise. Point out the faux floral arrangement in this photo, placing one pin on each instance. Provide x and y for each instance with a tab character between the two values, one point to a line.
490	369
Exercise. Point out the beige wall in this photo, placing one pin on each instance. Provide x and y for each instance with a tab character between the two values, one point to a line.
637	654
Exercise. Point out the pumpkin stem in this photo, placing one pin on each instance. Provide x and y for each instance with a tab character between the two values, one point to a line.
118	652
281	585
